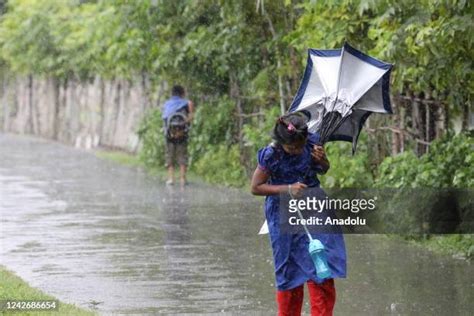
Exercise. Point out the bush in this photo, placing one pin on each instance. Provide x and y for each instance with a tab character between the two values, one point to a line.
447	164
151	134
222	165
399	171
213	124
347	170
257	134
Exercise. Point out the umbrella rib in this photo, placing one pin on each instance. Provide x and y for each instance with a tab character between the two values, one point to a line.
333	113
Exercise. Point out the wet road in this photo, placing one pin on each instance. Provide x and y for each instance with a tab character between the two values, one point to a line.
89	231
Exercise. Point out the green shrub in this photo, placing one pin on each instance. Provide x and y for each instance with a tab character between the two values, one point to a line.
151	134
222	165
257	134
347	170
398	171
447	164
213	124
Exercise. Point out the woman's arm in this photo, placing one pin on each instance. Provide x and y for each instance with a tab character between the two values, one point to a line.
259	185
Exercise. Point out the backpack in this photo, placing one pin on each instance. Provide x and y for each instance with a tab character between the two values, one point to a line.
177	127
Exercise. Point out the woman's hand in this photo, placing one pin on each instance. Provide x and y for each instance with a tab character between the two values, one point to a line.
297	189
318	153
319	156
260	186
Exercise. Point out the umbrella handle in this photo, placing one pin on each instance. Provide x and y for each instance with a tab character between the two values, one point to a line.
308	169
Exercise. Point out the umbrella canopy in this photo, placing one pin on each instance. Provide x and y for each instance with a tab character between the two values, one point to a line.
340	89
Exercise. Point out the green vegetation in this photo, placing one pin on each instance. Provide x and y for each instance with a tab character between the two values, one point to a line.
348	171
458	246
242	61
13	288
448	164
122	158
134	161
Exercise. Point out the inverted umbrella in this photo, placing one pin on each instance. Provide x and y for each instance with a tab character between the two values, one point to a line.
339	90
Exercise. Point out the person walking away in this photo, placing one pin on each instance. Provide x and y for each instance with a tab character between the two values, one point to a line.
177	115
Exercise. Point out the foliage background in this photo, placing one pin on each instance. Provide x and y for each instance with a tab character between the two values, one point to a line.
242	61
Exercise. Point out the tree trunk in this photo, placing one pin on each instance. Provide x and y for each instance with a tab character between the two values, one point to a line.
401	136
56	105
36	114
279	65
29	128
117	106
6	104
64	120
145	92
395	135
280	88
102	109
235	94
465	116
440	120
416	123
161	93
427	126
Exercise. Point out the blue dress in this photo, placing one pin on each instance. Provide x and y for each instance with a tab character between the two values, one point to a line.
293	264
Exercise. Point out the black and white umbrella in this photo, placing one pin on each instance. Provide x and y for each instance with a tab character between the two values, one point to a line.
340	89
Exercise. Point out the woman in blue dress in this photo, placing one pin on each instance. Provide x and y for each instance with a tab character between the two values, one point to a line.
290	165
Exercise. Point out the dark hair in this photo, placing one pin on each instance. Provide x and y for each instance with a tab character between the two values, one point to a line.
291	128
177	91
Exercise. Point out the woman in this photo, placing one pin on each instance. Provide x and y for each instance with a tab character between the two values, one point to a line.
289	165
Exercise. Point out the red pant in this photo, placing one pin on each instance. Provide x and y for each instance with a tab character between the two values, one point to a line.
322	298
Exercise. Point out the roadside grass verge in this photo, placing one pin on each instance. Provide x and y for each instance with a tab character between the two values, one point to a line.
133	161
456	245
13	287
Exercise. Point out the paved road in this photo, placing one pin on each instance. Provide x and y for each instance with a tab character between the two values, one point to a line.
88	231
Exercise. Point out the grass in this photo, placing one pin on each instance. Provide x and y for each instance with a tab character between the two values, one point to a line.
120	157
14	288
457	245
133	161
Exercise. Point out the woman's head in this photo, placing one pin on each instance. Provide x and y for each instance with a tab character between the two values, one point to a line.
291	132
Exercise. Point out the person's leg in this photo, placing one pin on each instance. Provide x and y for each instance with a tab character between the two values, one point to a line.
182	172
170	175
182	156
322	297
290	302
169	157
